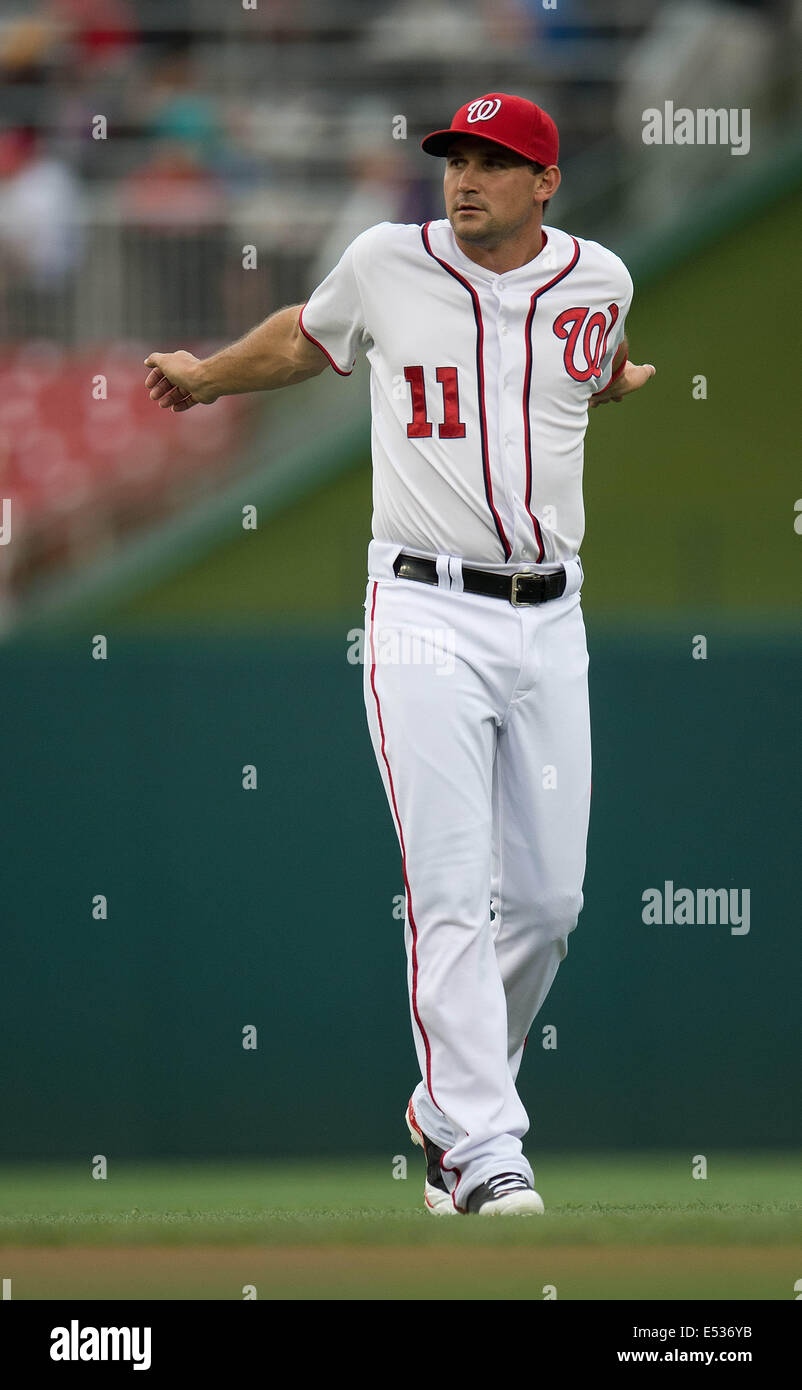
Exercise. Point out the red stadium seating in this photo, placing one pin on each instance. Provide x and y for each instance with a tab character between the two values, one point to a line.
86	456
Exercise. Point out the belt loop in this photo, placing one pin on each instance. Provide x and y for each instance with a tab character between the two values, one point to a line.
573	576
443	576
455	571
381	558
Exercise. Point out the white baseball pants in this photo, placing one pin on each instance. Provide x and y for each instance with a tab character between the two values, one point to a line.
478	713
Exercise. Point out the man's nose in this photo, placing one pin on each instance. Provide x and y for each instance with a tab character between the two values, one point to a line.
467	179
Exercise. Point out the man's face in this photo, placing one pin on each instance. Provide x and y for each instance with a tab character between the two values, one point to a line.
489	191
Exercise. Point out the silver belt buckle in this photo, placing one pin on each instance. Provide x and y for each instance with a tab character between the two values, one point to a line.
514	599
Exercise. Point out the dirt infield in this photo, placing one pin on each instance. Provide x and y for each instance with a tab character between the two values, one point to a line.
382	1272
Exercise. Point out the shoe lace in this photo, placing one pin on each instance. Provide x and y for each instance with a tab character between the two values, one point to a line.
503	1183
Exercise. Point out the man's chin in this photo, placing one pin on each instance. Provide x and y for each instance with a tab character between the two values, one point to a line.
470	226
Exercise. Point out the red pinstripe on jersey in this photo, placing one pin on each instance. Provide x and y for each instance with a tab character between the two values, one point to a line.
412	924
480	377
527	391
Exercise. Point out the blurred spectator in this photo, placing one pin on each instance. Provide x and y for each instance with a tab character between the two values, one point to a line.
102	31
175	108
173	188
174	215
40	231
27	46
385	186
41	237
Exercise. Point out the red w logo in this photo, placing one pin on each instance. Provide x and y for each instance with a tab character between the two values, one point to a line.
570	325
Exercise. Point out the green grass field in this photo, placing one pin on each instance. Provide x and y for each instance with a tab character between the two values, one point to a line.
617	1227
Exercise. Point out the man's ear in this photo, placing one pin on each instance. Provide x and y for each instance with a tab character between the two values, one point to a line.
547	183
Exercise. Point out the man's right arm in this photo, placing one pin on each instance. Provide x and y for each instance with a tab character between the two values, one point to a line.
275	353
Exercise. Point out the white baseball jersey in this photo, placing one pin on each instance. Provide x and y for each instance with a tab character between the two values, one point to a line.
479	385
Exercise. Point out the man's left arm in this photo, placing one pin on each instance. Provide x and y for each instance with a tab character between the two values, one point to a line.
626	377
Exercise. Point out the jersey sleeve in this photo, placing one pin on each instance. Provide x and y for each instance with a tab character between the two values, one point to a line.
333	317
621	297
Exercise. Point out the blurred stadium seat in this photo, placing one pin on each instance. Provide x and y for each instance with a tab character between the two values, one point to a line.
76	467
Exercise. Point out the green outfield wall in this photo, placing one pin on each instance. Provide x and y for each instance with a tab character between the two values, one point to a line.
273	908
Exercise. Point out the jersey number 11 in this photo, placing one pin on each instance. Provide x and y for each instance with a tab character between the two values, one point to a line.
420	427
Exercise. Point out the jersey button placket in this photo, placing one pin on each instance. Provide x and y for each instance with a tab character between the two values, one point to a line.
505	428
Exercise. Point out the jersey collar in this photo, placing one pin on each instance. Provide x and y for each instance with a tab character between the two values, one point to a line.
555	256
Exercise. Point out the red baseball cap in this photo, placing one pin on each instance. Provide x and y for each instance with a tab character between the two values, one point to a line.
513	122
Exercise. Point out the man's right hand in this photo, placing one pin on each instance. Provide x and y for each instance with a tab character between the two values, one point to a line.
175	381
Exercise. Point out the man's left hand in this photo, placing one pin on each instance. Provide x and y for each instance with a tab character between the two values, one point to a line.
631	379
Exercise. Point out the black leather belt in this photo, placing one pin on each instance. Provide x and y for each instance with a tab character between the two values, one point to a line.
521	589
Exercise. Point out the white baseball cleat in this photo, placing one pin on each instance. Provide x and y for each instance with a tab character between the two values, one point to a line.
506	1194
435	1193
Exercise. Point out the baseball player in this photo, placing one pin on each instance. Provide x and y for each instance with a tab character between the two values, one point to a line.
489	336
